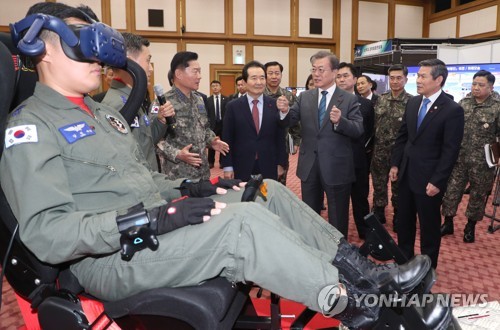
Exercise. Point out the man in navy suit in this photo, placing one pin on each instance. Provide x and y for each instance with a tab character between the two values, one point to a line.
329	118
423	157
216	108
253	130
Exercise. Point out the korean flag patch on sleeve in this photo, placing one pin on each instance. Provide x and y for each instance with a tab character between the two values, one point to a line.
20	134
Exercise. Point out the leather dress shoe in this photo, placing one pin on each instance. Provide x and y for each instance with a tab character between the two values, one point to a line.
408	275
447	227
470	232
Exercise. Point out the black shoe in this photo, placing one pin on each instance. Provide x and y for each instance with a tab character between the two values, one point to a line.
380	214
447	226
470	232
359	270
408	275
352	312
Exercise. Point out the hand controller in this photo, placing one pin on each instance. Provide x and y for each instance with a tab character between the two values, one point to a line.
255	187
137	232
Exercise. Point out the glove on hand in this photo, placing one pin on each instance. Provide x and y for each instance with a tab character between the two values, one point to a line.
225	183
205	188
182	212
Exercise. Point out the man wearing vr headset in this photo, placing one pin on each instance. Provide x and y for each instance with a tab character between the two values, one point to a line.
72	173
148	129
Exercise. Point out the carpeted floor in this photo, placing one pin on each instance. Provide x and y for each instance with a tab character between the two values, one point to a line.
463	268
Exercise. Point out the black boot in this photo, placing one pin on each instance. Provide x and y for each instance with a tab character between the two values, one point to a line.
380	213
470	232
360	271
352	312
447	226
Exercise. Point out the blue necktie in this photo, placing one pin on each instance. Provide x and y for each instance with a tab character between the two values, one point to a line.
322	107
422	112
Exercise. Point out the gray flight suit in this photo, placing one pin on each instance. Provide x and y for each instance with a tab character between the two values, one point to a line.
148	130
66	174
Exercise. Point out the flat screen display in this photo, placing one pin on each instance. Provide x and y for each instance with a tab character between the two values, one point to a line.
459	79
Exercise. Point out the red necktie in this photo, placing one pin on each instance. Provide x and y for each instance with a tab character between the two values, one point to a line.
255	115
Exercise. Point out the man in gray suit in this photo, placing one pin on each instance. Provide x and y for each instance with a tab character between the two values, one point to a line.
329	118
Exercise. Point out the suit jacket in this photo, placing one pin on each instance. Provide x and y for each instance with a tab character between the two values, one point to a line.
245	144
358	145
429	154
332	146
211	110
374	99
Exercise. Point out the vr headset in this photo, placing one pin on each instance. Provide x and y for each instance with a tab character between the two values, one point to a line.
95	42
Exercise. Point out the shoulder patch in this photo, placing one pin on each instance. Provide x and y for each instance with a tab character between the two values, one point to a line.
20	134
76	131
136	122
201	108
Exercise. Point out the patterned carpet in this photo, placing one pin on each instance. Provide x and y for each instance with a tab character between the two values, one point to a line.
463	268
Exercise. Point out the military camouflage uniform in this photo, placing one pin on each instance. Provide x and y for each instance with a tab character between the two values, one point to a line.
294	131
389	112
482	126
192	128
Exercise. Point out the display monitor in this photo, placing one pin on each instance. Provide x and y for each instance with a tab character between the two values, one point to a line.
459	79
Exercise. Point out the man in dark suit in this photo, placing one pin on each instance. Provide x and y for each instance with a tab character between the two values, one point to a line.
240	87
423	157
346	79
253	130
329	118
216	108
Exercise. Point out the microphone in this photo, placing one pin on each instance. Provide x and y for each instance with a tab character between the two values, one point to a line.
171	122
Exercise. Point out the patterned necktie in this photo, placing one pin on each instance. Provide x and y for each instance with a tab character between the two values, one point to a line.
322	107
255	115
217	108
422	112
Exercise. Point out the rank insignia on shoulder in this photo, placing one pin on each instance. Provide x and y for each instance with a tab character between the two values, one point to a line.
117	124
76	131
20	134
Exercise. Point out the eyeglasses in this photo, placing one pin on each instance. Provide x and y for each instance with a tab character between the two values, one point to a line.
319	70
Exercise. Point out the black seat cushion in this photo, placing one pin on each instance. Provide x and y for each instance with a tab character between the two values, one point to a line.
196	304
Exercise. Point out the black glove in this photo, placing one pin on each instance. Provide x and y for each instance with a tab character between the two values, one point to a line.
205	188
225	183
182	212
